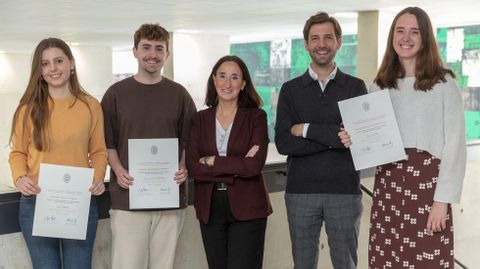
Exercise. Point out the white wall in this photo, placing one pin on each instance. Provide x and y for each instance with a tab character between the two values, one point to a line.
94	65
14	73
193	59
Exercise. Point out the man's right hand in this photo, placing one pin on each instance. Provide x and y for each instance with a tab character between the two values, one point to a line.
123	178
297	129
344	137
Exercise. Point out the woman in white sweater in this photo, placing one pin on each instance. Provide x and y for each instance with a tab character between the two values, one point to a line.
411	218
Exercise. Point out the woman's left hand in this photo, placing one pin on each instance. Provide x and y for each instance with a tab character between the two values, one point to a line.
253	150
437	219
97	188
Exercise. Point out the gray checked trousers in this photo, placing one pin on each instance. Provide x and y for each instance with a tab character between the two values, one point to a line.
341	214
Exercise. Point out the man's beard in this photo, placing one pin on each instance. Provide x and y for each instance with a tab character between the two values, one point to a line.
323	61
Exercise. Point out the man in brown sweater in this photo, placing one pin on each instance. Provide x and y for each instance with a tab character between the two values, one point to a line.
146	105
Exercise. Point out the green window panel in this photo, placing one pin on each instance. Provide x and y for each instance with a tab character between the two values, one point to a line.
471	42
472	122
300	58
442	35
256	56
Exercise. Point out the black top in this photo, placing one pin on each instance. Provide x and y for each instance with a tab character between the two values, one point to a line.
319	163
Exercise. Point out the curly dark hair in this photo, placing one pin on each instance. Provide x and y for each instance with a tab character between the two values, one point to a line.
151	31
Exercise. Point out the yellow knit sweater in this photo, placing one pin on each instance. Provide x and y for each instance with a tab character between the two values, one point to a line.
76	139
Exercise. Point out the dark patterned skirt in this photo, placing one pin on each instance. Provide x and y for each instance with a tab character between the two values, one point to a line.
402	199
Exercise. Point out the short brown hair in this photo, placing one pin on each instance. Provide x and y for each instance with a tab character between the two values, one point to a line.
151	31
321	17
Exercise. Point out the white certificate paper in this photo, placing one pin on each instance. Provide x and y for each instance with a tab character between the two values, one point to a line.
152	163
62	206
370	121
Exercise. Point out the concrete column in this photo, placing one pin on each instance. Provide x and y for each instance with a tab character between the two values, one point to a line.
367	45
373	28
168	66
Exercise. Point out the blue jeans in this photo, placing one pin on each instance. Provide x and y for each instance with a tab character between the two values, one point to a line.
51	253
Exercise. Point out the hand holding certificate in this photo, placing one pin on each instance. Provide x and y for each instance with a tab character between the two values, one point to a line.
371	123
62	207
152	164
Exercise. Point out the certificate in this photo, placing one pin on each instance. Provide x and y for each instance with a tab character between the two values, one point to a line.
62	206
370	121
152	163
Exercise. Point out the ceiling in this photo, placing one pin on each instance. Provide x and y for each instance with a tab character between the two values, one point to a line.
23	23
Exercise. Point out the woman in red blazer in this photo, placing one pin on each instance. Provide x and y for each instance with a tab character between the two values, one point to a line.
225	155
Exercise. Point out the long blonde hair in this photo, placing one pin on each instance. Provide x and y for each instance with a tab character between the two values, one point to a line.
36	96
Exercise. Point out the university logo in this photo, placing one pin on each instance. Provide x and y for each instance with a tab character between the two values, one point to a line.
67	178
154	150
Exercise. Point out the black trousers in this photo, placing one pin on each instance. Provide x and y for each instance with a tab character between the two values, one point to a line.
229	243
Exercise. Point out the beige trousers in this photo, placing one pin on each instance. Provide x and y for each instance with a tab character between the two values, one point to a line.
146	239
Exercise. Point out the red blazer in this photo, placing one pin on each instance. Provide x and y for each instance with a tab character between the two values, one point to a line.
247	194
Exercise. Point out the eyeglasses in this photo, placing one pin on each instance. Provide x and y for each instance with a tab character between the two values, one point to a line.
223	78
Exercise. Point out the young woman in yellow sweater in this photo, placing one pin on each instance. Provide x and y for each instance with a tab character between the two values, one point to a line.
56	122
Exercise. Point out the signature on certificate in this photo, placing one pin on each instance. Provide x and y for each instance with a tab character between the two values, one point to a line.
71	221
388	144
366	149
50	219
142	189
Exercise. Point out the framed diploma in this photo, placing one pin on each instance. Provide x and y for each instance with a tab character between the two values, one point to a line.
61	208
152	163
370	121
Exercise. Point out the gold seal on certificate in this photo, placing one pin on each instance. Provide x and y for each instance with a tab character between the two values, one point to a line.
61	208
152	163
370	121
